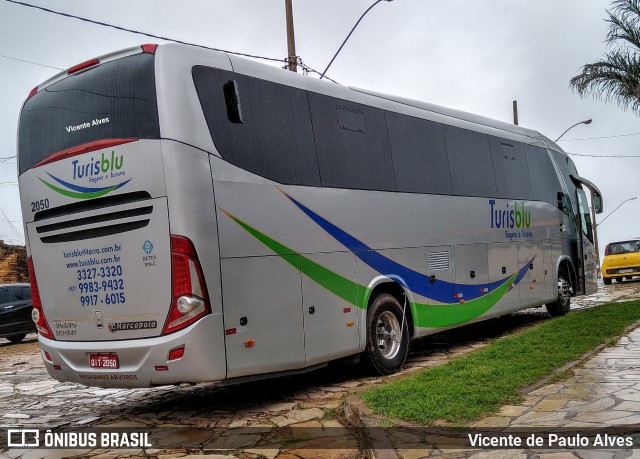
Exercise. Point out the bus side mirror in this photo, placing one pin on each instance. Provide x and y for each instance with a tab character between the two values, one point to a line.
597	203
232	101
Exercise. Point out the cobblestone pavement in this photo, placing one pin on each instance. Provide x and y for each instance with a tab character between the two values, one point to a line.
301	416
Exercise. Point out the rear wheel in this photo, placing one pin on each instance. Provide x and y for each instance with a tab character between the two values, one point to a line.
562	305
606	280
387	335
16	338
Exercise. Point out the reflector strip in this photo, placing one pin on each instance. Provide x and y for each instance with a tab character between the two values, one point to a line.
80	149
176	354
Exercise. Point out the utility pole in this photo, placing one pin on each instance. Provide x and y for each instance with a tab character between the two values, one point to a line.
515	112
291	40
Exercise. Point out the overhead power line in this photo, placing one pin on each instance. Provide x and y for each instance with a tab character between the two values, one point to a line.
307	69
30	62
124	29
603	156
603	137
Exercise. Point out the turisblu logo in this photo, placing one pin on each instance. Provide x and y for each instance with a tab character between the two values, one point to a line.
94	171
516	217
99	166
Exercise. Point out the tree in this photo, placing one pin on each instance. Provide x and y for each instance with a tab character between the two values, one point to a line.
616	78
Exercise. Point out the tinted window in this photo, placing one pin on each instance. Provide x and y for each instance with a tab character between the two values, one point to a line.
510	169
116	99
4	295
419	155
274	138
470	161
347	157
567	168
544	179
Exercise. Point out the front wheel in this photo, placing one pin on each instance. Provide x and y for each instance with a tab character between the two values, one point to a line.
606	280
387	335
562	305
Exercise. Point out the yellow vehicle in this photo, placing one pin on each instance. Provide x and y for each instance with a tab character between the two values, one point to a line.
621	260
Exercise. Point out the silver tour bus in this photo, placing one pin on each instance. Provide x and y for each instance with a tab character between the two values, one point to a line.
193	216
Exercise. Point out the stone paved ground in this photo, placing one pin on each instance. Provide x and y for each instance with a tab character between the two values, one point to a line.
293	417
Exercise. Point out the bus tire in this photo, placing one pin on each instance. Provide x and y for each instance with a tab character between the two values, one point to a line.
606	280
563	303
387	335
16	338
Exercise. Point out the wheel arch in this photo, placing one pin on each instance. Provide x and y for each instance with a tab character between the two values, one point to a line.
396	287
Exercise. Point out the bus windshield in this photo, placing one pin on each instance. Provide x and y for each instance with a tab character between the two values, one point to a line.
116	99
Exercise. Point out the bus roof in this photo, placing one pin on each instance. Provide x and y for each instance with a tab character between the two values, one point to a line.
407	106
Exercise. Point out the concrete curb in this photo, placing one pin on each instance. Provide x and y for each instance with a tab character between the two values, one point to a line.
374	440
579	361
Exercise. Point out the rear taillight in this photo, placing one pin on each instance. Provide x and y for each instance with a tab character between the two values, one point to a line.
32	93
149	48
37	314
189	297
82	66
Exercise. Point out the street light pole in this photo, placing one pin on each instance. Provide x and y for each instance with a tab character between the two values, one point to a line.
620	205
588	121
354	28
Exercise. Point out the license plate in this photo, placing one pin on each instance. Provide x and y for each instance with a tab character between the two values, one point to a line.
104	361
626	271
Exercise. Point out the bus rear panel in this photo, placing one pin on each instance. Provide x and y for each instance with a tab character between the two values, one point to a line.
117	294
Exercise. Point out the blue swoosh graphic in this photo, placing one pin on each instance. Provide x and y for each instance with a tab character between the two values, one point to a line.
417	282
83	189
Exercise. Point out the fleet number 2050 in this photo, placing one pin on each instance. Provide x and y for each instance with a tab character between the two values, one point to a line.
37	206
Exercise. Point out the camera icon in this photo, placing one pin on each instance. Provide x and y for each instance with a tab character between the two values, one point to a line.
23	438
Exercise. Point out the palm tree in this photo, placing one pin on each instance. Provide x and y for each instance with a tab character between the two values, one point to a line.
616	78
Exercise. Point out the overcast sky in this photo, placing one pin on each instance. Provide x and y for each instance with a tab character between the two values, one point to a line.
476	56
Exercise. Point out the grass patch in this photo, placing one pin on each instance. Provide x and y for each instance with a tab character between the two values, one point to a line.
478	384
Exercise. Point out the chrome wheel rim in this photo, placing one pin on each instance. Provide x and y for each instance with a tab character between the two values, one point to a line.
564	293
388	335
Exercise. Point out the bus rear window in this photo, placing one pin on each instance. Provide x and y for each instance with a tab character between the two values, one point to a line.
114	100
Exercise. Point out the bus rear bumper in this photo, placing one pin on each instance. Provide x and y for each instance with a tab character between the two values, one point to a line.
143	362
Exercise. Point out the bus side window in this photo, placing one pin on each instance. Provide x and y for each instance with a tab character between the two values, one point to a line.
511	169
352	144
544	179
470	162
419	155
259	126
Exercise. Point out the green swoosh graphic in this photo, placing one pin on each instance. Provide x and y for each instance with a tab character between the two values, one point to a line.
336	284
444	315
75	194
